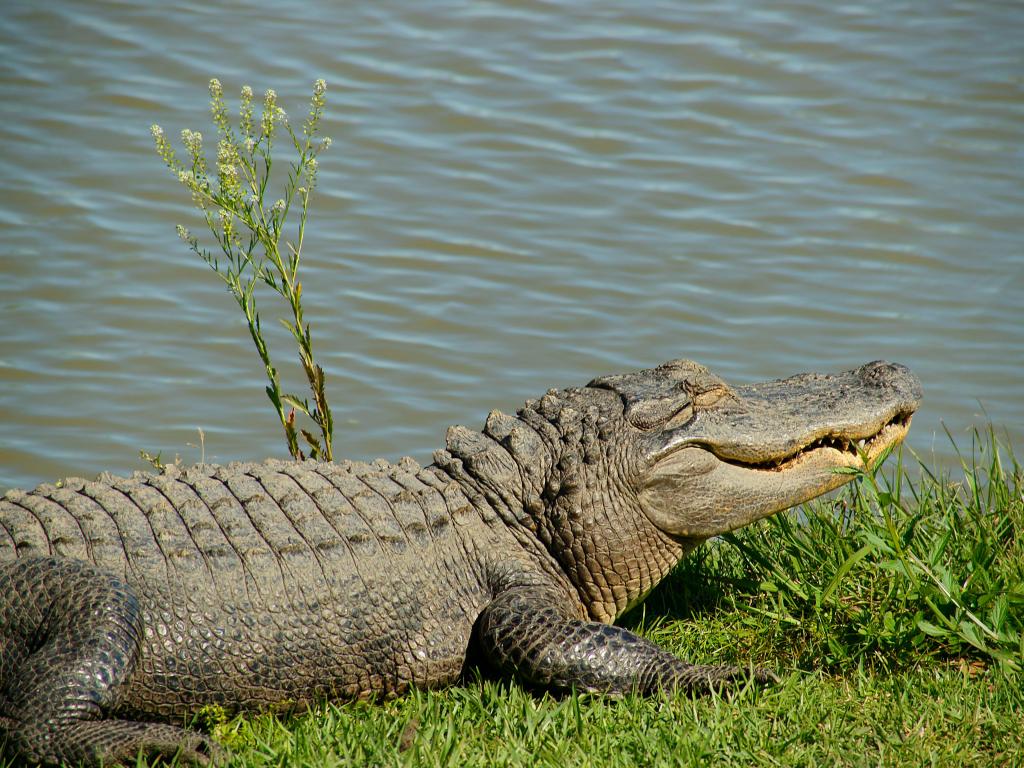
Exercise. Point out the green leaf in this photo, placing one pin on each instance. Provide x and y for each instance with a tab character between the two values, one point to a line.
314	444
300	405
930	629
851	561
878	543
846	471
997	614
273	397
889	622
970	633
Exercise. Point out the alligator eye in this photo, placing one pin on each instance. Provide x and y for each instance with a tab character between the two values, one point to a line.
647	414
680	418
705	391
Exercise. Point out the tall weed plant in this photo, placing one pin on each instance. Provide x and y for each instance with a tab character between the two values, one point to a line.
255	243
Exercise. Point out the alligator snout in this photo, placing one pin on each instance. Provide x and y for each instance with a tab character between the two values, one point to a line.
895	377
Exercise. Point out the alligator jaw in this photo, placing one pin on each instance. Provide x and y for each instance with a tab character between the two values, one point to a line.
839	450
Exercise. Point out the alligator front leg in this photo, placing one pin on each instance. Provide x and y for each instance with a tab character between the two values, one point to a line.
69	640
523	632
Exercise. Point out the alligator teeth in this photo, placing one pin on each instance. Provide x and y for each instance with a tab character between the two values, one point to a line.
853	446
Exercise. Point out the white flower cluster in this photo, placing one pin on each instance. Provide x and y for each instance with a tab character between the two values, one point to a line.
270	112
193	141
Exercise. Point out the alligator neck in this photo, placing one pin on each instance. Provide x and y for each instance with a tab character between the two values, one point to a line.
531	471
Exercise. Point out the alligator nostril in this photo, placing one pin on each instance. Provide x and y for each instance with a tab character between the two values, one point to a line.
883	371
877	366
894	376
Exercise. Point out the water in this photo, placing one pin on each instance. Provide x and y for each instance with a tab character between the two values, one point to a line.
520	195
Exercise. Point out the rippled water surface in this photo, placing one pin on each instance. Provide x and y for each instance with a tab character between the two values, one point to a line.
520	195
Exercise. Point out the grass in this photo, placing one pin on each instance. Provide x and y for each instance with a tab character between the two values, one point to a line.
893	612
945	715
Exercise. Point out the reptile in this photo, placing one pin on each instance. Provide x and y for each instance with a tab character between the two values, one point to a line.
127	604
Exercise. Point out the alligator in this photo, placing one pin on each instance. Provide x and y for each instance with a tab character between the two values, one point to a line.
128	604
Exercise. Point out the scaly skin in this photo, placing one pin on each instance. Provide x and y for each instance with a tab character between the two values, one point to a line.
128	604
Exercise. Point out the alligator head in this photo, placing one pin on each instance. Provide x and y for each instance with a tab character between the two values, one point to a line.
621	478
715	458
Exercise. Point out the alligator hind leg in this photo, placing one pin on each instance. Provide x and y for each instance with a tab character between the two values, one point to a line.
69	640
